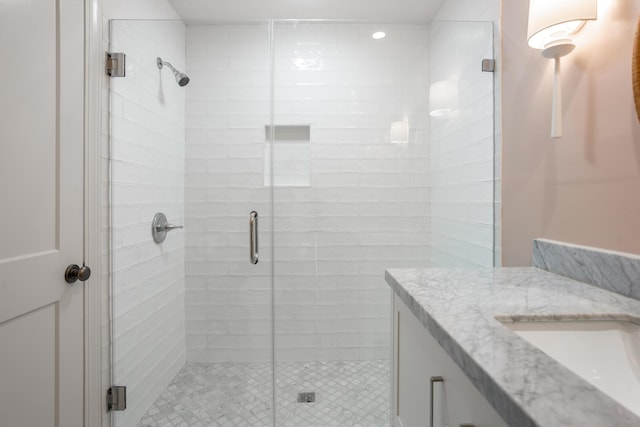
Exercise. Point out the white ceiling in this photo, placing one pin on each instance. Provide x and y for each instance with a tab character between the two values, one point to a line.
390	11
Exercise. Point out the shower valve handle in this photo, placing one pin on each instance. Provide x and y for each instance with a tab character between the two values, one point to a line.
169	227
160	226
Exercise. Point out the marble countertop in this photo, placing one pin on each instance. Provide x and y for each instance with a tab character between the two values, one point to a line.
526	387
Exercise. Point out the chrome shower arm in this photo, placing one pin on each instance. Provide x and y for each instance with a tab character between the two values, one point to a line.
162	63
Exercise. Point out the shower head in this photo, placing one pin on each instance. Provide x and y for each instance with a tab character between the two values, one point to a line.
181	78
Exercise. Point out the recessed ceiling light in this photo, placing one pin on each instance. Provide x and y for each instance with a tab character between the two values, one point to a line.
379	35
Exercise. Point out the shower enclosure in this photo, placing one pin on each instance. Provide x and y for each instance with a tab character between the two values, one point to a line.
357	154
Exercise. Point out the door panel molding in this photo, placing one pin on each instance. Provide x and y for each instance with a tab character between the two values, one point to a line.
41	316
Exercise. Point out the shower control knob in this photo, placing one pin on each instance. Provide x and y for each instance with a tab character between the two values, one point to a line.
160	226
74	273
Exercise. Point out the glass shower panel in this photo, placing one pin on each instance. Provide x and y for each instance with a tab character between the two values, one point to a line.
351	198
462	145
190	312
358	154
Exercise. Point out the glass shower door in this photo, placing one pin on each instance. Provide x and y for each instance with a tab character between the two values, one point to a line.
383	157
191	316
351	198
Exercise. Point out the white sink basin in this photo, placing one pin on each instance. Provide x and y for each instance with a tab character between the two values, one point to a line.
605	353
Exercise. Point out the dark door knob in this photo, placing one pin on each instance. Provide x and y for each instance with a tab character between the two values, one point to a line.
75	272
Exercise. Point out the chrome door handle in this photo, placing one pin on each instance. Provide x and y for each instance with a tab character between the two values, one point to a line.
253	237
433	380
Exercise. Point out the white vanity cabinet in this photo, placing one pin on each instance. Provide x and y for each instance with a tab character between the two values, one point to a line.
417	357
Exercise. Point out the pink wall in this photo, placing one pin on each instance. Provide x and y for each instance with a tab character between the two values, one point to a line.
585	187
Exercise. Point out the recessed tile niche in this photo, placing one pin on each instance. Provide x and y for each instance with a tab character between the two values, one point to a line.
287	150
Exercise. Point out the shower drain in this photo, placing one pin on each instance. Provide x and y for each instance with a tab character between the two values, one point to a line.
308	397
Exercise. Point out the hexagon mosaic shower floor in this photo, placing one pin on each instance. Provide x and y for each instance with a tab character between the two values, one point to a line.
348	394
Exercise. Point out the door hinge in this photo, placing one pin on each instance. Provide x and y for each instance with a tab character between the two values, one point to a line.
117	398
114	64
488	65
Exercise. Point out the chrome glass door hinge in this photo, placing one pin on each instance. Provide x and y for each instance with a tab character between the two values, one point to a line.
117	398
488	65
115	64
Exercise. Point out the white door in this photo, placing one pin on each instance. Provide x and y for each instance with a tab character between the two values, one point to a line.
41	212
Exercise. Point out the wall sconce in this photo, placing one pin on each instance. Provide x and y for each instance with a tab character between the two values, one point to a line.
443	98
552	24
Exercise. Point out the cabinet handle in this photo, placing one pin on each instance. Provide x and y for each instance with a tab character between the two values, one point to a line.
467	425
433	380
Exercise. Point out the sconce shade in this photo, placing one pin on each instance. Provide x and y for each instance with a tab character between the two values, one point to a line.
551	21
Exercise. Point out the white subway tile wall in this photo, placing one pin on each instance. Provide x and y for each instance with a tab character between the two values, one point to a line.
228	300
147	115
462	138
367	207
367	194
